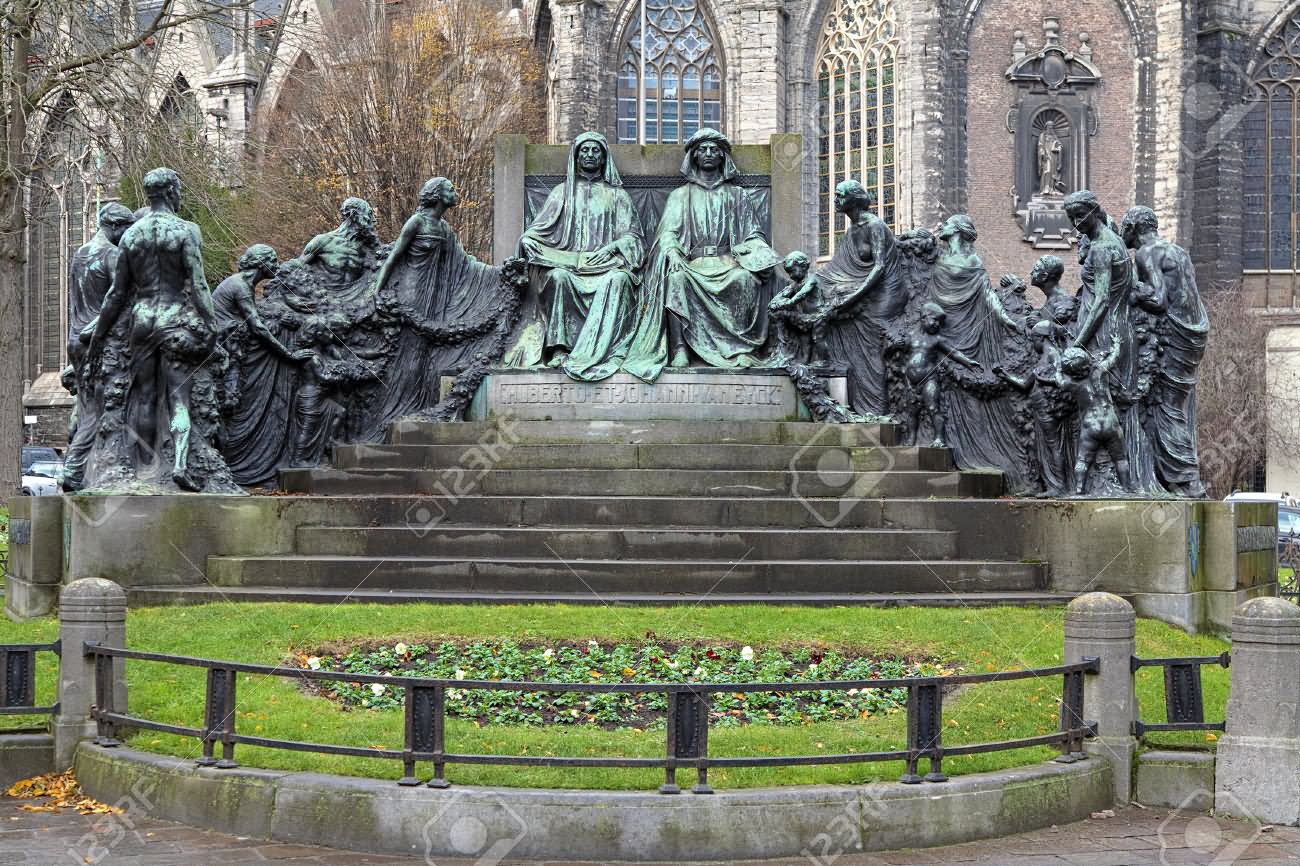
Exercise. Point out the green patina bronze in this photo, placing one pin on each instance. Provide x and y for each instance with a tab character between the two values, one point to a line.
585	247
708	284
160	276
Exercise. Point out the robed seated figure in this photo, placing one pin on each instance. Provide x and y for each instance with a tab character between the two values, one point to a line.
586	246
708	285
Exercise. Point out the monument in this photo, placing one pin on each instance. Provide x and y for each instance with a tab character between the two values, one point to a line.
1089	394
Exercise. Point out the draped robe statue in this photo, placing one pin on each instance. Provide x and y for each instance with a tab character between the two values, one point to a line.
864	292
434	286
1167	289
707	285
585	247
333	274
982	430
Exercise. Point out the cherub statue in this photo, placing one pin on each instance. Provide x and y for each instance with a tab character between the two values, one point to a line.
792	313
926	353
1099	427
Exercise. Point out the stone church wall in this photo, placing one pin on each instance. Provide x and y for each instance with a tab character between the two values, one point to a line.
990	160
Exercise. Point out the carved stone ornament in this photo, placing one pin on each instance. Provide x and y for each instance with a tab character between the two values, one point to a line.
1052	121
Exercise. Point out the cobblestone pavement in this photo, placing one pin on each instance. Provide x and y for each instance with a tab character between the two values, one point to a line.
1134	837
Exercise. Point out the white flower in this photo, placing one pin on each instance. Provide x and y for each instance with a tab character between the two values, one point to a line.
400	649
673	665
593	644
853	691
460	674
812	668
548	653
747	653
314	663
365	702
573	713
698	672
377	689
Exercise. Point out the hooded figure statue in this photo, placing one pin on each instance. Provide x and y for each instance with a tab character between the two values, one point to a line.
585	246
709	269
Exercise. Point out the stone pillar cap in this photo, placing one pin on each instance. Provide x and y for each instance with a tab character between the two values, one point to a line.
92	590
1267	620
1099	605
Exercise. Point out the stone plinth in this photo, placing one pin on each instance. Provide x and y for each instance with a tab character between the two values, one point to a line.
690	394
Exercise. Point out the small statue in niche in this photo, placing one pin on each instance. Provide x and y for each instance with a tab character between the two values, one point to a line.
1049	153
1085	378
927	350
800	332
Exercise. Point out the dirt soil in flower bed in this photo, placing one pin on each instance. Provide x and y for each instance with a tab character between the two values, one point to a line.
646	661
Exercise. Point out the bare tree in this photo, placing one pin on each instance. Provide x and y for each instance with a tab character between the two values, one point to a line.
420	91
56	53
1239	416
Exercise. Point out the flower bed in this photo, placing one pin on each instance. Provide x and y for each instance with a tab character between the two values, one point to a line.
648	661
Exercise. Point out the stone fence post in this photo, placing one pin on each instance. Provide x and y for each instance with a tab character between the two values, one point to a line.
91	609
1101	625
1256	768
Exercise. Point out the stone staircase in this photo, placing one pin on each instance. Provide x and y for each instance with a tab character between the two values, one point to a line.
647	512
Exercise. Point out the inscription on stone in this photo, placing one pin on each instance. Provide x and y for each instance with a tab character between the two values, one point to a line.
20	530
641	392
1252	538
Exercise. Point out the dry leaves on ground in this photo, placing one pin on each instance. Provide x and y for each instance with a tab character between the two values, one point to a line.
59	791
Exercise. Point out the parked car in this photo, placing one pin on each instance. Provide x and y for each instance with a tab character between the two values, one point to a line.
1288	536
43	478
34	453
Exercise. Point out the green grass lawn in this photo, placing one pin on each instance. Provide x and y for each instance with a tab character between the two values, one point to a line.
977	640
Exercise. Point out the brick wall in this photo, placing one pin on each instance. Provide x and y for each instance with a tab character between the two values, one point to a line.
990	158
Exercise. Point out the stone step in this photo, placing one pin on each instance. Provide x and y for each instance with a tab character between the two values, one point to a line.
408	432
647	511
170	595
553	574
615	543
643	482
809	458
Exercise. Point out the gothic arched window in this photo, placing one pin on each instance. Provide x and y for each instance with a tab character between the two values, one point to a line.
683	74
1271	165
855	92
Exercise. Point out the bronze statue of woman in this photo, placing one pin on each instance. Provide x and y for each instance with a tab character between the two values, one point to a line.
982	429
433	285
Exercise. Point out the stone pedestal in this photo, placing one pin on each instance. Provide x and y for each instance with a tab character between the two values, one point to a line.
1257	776
689	394
1104	626
35	556
92	609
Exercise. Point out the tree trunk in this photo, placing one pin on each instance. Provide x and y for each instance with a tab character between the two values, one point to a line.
13	258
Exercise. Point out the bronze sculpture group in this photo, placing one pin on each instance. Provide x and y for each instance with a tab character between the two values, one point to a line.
1088	393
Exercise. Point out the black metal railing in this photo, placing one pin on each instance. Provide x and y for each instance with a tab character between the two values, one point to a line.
18	679
1184	701
687	719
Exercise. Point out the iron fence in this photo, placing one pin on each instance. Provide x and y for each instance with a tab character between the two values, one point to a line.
1184	703
18	679
687	719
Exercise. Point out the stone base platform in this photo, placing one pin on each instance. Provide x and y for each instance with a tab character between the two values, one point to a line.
534	825
646	512
688	394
